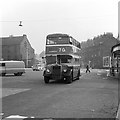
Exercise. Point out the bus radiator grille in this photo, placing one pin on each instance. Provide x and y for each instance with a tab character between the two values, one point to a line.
56	70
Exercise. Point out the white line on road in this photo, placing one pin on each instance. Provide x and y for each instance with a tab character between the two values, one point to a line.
17	117
98	74
11	91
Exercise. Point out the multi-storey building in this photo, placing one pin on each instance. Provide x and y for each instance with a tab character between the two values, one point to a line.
17	48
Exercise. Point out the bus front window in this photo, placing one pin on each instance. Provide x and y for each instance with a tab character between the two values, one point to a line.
64	59
50	60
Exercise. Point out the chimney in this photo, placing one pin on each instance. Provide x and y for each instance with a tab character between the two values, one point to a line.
10	36
24	35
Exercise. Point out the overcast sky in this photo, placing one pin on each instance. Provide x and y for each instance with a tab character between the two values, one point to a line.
82	19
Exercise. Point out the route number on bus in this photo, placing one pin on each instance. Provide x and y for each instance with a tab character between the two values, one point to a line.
62	50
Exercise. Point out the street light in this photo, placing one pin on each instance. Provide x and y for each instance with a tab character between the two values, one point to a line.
26	47
20	24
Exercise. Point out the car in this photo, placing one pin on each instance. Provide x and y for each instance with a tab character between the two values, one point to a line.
37	67
12	67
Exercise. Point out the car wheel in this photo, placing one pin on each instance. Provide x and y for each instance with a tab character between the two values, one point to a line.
15	74
3	74
20	73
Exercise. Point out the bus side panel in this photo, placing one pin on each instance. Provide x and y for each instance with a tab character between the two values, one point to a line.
75	71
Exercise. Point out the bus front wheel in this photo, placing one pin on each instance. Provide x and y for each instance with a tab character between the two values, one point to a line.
69	79
78	75
46	79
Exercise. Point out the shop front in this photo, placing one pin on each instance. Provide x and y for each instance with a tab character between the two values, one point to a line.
115	61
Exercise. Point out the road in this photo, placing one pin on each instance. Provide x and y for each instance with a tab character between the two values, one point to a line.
94	95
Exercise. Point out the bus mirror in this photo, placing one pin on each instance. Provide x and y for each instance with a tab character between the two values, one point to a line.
43	57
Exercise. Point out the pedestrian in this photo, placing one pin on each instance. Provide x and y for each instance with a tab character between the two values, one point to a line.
113	71
87	69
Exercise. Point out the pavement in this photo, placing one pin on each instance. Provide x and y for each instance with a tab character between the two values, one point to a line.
117	76
118	113
108	75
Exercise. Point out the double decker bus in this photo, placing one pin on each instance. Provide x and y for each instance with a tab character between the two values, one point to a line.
62	57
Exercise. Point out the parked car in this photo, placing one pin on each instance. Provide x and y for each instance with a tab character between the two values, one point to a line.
12	67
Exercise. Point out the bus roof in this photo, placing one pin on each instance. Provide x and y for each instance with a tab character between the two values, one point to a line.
57	35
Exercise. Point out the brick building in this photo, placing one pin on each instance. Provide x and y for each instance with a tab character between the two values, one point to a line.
17	48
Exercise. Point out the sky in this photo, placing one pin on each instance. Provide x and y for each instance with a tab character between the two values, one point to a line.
82	19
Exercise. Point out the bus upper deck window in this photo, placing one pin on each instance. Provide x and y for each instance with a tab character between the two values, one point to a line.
70	41
50	42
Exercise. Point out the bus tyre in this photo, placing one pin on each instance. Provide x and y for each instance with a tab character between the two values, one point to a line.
69	79
78	75
46	79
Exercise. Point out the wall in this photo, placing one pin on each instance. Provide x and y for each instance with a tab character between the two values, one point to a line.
27	52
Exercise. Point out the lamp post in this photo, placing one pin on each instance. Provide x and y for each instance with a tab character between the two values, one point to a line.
27	57
89	63
26	49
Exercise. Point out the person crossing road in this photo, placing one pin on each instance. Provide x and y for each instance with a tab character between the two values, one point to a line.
87	69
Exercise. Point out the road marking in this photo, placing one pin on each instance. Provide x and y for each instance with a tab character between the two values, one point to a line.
104	78
11	91
18	117
98	74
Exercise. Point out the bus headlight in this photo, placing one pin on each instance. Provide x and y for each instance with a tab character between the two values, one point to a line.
65	70
48	70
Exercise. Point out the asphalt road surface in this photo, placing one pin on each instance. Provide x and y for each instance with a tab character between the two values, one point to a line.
94	95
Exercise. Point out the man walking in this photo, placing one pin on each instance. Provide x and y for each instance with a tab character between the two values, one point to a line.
87	69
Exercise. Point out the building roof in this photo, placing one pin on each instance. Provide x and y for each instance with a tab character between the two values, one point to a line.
12	40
